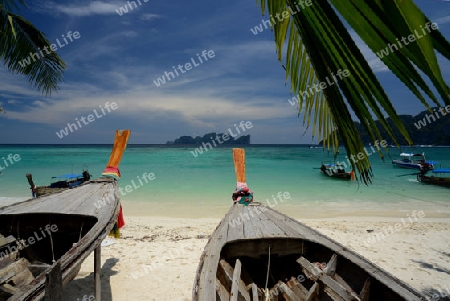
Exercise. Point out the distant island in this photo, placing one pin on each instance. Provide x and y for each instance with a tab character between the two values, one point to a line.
424	129
220	139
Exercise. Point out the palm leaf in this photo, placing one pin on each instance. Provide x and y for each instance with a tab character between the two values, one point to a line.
319	46
18	39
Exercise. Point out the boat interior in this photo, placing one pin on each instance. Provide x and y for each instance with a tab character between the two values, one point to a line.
31	243
296	269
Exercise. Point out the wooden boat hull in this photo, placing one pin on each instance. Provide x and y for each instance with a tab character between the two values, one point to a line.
81	227
342	176
235	260
441	181
59	185
401	164
44	190
332	173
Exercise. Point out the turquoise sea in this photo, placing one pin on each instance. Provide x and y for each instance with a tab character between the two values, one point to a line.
184	185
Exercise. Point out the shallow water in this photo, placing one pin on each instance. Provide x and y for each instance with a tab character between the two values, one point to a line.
185	185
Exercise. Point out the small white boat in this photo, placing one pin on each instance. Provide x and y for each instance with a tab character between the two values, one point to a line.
413	161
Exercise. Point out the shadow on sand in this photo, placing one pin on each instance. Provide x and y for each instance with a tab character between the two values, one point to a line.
81	288
430	266
434	294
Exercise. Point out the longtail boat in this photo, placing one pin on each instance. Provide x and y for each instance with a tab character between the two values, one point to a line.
59	183
437	178
336	171
259	254
44	240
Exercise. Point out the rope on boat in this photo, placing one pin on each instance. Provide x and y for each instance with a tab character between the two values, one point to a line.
18	233
51	242
266	290
81	230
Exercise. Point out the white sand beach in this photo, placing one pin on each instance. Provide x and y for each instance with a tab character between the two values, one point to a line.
157	257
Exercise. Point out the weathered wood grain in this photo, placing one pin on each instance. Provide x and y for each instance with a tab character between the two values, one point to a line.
313	292
333	288
288	294
254	289
13	269
287	237
97	269
6	240
75	202
297	288
222	292
53	284
236	281
364	295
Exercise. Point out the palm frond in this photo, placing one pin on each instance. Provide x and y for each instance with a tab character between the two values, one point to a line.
319	46
19	40
12	4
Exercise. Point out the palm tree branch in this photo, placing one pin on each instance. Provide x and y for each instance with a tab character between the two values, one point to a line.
18	41
384	23
319	45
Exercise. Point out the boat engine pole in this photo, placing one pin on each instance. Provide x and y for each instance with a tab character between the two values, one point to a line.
32	186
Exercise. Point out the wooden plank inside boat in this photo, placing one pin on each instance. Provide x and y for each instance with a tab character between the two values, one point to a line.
8	259
22	278
13	269
288	294
237	282
255	296
4	241
53	284
297	288
313	292
334	289
364	295
222	292
8	289
230	278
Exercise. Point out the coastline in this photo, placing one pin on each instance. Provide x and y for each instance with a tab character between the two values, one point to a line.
297	210
156	258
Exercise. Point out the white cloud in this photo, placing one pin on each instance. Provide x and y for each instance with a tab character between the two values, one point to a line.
83	10
208	109
148	17
443	20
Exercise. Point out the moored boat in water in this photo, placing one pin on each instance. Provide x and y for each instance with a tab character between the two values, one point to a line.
336	171
439	177
58	183
413	161
257	253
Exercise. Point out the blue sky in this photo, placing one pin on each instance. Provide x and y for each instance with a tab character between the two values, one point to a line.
117	58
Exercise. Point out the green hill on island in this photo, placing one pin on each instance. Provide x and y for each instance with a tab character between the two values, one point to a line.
219	139
424	129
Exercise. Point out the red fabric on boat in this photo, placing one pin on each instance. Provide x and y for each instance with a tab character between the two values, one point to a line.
120	219
112	169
